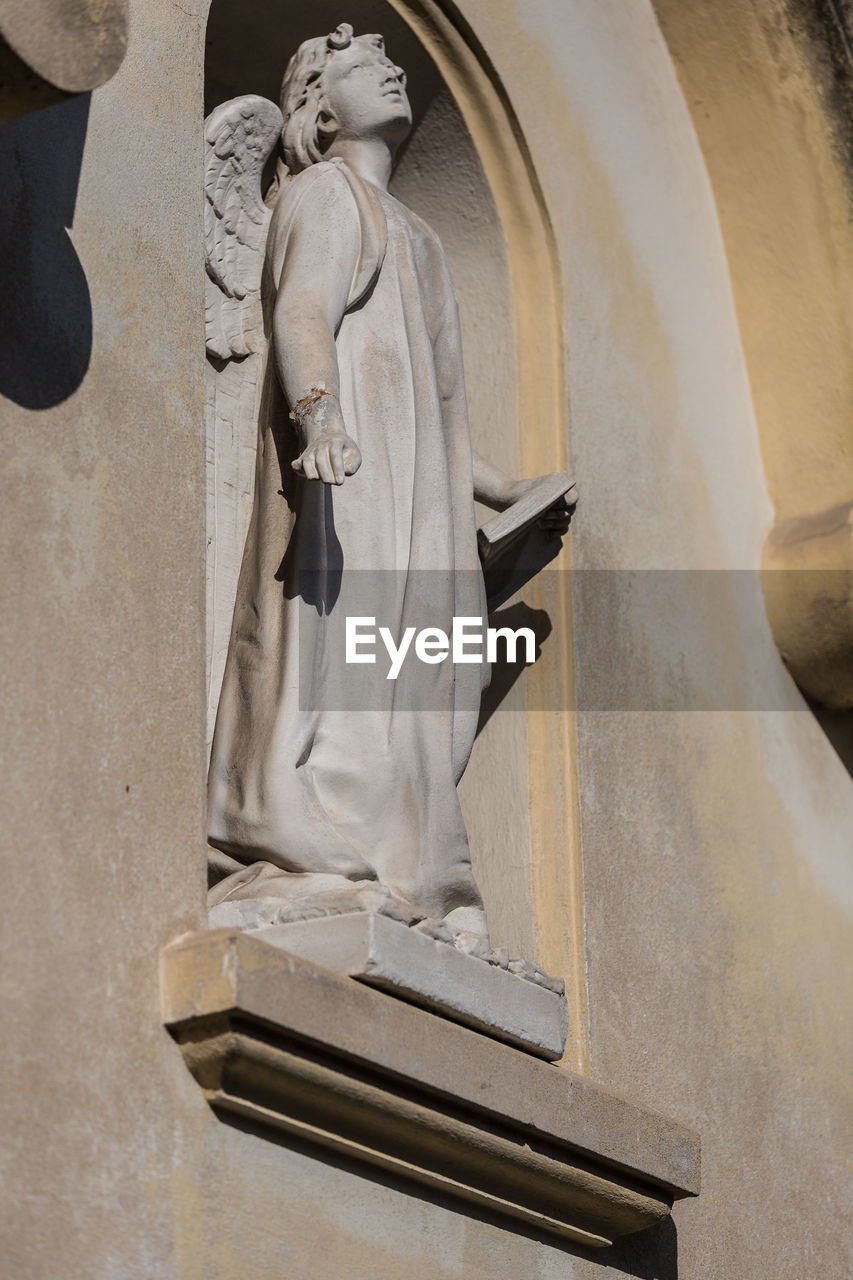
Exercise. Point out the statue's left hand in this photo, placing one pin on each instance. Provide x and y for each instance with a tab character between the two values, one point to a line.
557	518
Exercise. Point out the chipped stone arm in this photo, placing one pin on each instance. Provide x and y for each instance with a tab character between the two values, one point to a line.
310	305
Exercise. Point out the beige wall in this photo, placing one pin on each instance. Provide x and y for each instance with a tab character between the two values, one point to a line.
715	847
752	81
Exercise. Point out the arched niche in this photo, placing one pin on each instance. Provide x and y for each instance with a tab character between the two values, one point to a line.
466	172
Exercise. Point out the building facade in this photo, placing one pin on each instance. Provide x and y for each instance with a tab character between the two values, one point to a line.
646	208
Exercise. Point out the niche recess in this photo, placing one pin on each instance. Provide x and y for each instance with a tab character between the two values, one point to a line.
441	176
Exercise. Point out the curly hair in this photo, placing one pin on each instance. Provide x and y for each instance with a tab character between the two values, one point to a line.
302	98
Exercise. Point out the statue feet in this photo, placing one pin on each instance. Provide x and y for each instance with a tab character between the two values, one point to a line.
262	895
282	897
466	930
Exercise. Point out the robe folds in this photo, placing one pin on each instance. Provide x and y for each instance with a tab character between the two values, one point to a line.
321	768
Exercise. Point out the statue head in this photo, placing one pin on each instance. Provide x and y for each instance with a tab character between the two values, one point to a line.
344	85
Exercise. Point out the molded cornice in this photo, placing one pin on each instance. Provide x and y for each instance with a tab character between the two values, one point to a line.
300	1050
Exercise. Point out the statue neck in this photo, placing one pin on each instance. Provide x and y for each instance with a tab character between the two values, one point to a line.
371	158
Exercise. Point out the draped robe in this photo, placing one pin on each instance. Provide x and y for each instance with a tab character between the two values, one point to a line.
322	769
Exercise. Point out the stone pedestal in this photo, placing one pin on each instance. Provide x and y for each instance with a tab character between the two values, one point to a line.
433	974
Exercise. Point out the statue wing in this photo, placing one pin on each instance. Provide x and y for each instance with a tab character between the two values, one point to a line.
239	138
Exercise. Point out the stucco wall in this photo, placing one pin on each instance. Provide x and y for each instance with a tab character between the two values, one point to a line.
714	842
753	79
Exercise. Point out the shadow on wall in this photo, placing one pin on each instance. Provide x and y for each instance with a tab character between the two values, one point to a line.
647	1255
45	308
505	672
838	727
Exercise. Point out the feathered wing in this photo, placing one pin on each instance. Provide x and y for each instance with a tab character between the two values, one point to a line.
239	138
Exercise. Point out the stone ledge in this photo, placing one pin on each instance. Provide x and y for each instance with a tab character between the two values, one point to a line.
299	1049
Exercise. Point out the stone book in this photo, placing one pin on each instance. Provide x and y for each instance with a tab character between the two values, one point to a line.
513	545
504	529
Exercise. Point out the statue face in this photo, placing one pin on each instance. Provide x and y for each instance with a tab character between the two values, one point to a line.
365	92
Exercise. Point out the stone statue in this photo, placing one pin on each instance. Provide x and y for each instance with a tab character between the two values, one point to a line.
364	466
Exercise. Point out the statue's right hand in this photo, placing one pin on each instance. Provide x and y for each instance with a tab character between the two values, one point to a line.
329	457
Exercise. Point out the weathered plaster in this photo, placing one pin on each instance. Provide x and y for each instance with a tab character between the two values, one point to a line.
784	203
714	843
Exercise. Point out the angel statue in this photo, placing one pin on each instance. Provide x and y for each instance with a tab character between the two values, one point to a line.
342	300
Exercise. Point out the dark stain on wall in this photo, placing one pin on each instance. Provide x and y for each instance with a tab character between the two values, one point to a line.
824	28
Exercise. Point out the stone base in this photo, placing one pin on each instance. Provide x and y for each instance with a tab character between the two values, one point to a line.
296	1050
406	963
